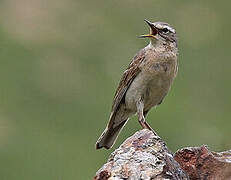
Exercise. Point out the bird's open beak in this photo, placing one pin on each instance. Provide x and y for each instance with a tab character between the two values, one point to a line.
153	30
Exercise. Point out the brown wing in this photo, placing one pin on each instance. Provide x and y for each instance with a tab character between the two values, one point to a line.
128	76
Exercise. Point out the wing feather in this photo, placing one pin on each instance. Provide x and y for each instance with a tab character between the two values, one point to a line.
131	72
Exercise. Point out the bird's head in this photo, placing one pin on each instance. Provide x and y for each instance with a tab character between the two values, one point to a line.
161	32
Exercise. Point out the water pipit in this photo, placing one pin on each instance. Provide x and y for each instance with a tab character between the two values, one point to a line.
145	82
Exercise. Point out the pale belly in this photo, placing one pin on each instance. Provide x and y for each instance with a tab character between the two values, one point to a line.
151	88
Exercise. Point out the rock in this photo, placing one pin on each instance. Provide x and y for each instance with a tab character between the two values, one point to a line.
200	163
142	156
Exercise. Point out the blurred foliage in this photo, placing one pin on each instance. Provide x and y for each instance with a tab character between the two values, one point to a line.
61	62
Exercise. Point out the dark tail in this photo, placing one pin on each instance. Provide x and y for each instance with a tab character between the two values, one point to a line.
109	136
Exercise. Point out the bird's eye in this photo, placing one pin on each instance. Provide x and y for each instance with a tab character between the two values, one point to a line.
165	30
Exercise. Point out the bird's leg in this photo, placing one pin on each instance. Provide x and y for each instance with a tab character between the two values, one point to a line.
141	118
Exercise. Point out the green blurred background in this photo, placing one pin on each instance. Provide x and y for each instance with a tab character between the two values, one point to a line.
61	62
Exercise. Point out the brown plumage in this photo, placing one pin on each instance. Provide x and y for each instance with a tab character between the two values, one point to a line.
145	82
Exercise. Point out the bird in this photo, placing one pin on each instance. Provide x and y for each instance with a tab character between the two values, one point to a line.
145	82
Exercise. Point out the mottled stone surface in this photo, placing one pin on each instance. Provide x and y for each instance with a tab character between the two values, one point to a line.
142	156
200	163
